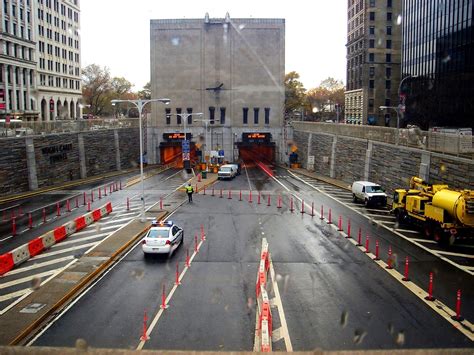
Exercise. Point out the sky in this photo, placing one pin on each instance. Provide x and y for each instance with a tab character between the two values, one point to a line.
116	33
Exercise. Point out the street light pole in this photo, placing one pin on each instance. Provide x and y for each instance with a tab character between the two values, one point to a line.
140	104
207	147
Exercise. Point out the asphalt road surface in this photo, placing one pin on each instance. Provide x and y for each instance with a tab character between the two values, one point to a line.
333	295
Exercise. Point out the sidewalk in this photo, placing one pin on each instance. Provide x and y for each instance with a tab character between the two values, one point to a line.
31	312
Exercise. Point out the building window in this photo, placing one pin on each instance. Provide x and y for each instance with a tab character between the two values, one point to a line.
189	110
388	58
371	57
389	44
267	115
245	115
255	115
371	71
372	3
371	30
222	115
371	43
371	84
389	3
168	115
372	16
388	72
371	103
389	30
387	102
178	116
388	84
389	16
212	111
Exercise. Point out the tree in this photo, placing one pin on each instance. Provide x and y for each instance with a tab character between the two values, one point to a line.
145	93
96	88
325	97
295	97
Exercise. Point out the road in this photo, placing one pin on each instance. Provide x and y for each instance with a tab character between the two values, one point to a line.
334	296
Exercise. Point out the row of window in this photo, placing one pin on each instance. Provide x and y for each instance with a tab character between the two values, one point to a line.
58	37
18	51
71	14
372	16
56	66
212	115
13	12
19	102
58	52
17	72
13	30
57	82
359	5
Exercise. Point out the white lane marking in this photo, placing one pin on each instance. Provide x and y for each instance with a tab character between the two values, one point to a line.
408	231
16	294
38	265
464	246
423	240
75	241
248	179
277	301
392	230
13	304
380	215
2	240
117	220
62	251
112	227
26	279
456	254
128	214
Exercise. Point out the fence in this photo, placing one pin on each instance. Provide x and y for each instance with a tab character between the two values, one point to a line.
21	129
460	144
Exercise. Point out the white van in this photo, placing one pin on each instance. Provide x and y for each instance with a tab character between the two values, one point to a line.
227	171
369	193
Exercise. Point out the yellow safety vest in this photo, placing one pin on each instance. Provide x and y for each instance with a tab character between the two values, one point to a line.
189	189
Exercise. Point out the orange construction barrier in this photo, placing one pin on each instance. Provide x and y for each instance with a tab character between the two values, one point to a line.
60	233
96	214
36	246
6	263
80	223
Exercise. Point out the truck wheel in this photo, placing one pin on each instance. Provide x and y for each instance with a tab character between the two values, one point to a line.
354	198
427	230
366	203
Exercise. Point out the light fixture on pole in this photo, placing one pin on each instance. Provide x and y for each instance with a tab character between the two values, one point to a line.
140	104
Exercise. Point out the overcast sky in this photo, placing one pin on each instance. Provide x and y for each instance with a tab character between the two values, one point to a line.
116	33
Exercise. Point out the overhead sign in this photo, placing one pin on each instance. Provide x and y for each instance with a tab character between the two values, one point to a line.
255	137
185	146
176	136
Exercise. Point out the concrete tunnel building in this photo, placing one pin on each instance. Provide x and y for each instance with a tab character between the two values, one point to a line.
230	70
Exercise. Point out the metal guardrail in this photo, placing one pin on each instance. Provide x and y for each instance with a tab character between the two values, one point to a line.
447	143
23	129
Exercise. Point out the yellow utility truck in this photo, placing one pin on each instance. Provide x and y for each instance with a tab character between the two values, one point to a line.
441	213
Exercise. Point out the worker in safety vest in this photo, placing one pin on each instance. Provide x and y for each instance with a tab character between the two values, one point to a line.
189	191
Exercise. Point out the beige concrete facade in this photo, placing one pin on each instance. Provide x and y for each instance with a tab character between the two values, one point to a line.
373	59
222	67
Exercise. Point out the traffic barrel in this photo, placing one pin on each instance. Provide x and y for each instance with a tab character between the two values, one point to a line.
163	299
240	195
279	201
389	260
329	217
312	209
77	202
269	200
367	240
250	196
376	251
144	336
359	238
68	206
322	213
348	228
30	221
58	209
177	282
105	190
187	263
44	215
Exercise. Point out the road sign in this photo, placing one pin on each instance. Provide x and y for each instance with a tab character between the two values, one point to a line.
186	156
185	145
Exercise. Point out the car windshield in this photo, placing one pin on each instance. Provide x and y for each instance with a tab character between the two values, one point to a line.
158	233
375	188
226	169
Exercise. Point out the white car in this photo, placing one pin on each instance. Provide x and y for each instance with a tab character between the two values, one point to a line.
162	238
227	171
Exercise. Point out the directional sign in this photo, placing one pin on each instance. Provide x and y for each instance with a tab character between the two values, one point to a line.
186	146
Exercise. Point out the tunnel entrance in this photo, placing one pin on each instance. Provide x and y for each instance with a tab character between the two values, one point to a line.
171	149
257	147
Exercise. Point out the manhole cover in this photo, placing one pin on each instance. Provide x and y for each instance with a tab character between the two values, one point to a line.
33	308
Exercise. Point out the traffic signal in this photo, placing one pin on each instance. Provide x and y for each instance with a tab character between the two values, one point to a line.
51	105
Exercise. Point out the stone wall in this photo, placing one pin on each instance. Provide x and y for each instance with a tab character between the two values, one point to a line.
100	152
387	164
57	158
13	167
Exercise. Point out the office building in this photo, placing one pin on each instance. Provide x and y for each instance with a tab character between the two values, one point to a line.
438	62
373	61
